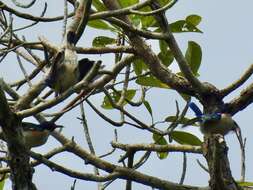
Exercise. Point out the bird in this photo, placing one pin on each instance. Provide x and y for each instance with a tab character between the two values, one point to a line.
36	134
66	70
64	75
214	123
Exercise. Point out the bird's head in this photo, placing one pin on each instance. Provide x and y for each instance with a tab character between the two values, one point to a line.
50	126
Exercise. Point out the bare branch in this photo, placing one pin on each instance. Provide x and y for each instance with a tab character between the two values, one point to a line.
171	41
240	102
31	17
72	173
122	172
184	168
158	148
224	92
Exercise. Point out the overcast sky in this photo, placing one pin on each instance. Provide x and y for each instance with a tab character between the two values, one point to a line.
227	52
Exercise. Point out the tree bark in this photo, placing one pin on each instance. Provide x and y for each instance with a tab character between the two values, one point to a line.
215	152
18	157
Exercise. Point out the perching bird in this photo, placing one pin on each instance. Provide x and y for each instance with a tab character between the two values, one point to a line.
64	75
215	123
66	70
36	134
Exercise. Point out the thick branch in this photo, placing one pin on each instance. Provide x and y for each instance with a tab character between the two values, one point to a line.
21	172
80	50
124	173
83	85
241	102
216	155
72	173
145	52
81	19
32	93
171	41
158	148
224	92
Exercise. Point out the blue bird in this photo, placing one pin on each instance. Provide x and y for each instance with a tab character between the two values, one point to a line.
215	123
36	134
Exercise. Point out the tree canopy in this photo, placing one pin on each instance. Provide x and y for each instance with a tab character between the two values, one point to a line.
142	65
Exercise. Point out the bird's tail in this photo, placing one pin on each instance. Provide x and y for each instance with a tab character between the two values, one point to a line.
195	108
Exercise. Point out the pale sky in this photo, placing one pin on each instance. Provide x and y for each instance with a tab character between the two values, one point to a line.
227	48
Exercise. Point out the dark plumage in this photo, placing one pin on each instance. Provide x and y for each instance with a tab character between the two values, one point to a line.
65	74
47	125
36	134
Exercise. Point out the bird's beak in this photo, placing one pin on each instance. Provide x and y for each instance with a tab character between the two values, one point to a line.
59	126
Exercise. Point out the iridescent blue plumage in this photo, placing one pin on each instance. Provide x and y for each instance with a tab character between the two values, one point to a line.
211	117
214	123
195	108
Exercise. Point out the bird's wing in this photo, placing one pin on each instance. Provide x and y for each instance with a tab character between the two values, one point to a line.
84	66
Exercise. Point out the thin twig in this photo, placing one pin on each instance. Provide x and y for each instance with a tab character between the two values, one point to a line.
245	76
28	5
35	22
74	185
65	19
184	169
202	166
113	149
142	160
24	71
88	139
162	9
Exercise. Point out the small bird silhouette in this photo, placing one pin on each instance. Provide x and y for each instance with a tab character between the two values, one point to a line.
36	134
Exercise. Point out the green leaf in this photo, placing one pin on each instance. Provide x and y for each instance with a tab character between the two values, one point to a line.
138	66
102	41
163	2
163	46
184	121
245	184
124	3
116	96
151	81
99	5
193	19
99	24
185	138
149	108
166	58
136	21
193	56
161	141
183	26
146	21
2	182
